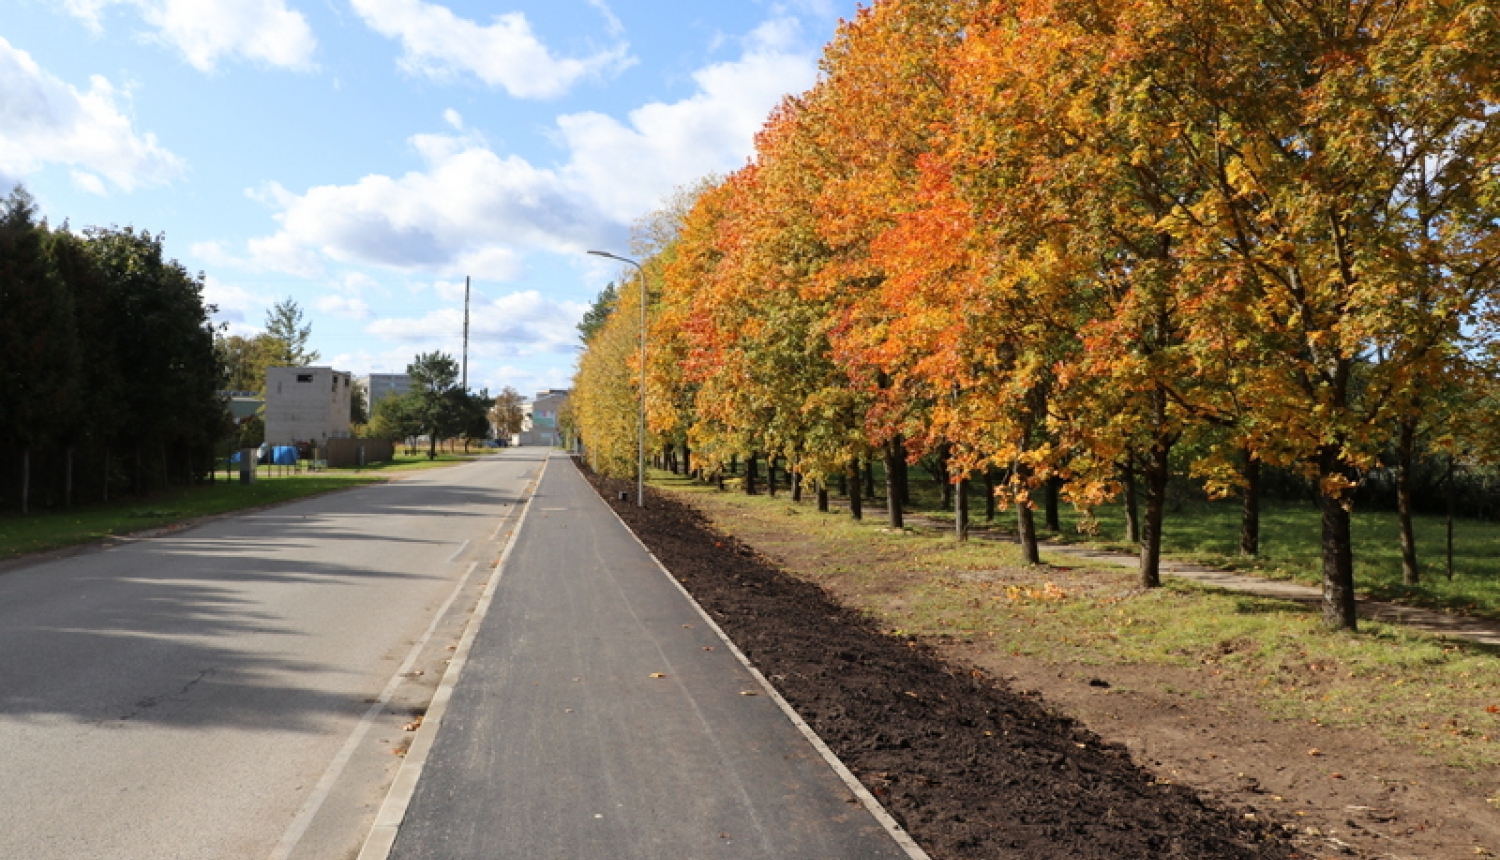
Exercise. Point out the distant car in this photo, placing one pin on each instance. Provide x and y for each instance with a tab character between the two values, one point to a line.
489	443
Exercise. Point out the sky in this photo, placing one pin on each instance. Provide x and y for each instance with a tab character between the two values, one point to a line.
363	157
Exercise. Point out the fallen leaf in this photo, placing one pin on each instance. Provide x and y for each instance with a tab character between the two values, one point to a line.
658	675
708	647
1314	752
749	693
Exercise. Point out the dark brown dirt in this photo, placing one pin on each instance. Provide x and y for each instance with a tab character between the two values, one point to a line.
970	767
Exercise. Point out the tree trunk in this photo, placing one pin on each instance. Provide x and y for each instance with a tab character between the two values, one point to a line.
989	494
822	497
942	476
750	475
771	475
870	480
106	474
898	462
795	477
687	459
25	480
1031	550
68	478
1338	553
894	516
1406	444
1132	510
432	448
1449	482
1054	522
1250	511
856	504
1156	474
719	479
961	510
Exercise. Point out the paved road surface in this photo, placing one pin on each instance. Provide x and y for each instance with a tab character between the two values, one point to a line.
559	742
230	691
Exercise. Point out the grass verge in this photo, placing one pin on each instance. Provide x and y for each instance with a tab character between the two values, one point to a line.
83	524
1208	532
1440	698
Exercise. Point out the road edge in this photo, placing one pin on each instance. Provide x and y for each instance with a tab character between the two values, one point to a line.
382	836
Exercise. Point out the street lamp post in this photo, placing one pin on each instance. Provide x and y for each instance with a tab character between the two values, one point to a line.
640	446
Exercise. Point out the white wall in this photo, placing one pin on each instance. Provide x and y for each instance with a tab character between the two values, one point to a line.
306	404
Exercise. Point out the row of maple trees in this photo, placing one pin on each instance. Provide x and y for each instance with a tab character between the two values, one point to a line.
1066	238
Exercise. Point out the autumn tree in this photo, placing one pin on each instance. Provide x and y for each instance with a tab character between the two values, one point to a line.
605	398
506	414
1343	227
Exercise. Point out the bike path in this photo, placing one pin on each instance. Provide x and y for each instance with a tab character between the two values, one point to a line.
598	714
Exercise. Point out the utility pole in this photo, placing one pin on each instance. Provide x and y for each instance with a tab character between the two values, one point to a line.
466	334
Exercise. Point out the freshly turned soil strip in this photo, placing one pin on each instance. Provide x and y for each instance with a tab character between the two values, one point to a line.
969	767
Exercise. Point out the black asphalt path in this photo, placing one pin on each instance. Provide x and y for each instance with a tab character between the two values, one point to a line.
598	716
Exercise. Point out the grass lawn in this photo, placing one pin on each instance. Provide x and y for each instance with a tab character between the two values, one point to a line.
85	523
1209	533
1441	697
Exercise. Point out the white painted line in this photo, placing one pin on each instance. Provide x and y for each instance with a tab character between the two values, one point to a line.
298	828
456	553
392	812
896	831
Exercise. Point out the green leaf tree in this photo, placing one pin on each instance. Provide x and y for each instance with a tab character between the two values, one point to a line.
434	382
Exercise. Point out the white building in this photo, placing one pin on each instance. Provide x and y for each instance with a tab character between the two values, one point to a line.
539	426
379	386
306	404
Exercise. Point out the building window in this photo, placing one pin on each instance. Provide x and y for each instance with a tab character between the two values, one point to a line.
304	377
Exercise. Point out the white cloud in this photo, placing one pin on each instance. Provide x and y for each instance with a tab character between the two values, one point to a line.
628	168
89	182
235	304
526	380
349	307
522	323
465	203
505	53
610	20
471	210
44	120
204	31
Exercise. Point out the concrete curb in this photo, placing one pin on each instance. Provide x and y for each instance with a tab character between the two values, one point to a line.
382	836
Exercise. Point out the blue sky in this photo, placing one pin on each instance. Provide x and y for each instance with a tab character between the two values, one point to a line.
363	156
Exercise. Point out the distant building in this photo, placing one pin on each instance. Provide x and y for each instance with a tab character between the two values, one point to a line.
306	404
540	424
379	386
242	404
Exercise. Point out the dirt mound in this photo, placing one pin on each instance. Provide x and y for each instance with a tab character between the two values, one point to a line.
968	766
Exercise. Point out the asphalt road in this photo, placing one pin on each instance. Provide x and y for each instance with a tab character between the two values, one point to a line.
599	715
236	690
